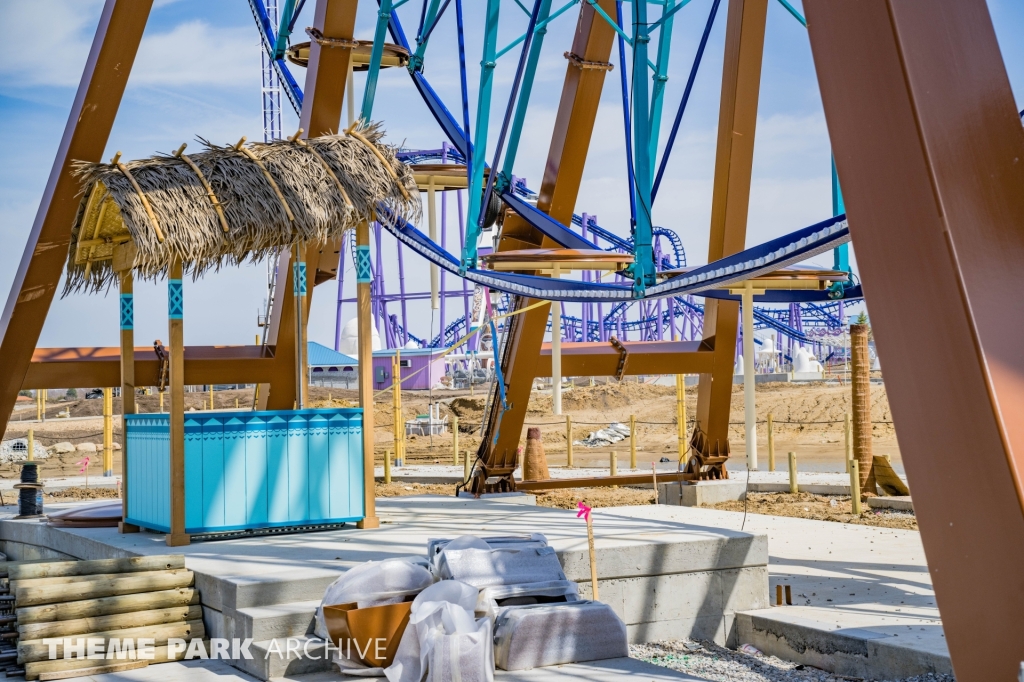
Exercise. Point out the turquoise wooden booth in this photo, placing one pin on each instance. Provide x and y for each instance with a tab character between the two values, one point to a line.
249	470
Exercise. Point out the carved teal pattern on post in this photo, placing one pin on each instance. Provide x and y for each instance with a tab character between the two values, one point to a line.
127	312
364	275
299	275
175	300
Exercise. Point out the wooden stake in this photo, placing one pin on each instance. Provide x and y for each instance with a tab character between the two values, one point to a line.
793	487
654	478
613	464
855	487
467	467
593	557
568	441
778	595
108	432
632	442
31	454
387	466
455	440
771	442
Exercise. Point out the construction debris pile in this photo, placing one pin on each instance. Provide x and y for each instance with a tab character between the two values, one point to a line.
602	438
472	604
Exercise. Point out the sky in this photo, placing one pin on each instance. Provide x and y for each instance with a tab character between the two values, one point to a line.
197	74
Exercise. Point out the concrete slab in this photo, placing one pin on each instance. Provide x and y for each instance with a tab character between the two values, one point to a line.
863	600
219	671
897	502
701	493
665	578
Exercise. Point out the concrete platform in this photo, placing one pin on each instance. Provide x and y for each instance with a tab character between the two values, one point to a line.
665	578
897	502
863	603
610	670
701	493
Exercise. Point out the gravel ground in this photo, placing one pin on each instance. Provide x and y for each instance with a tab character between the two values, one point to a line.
718	664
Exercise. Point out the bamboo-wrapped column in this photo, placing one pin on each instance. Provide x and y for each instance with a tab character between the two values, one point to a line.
127	318
176	335
364	315
861	383
299	289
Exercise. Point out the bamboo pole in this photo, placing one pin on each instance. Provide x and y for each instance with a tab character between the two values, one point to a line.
31	454
861	389
364	278
103	606
108	432
632	442
771	442
396	409
568	441
176	336
681	414
793	486
455	440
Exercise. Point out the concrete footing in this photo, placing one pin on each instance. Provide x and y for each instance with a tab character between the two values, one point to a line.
701	493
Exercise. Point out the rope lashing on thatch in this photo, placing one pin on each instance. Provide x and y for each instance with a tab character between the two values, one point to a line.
138	190
270	178
329	184
209	190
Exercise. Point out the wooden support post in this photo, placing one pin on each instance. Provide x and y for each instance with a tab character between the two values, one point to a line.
860	382
556	357
455	440
211	397
855	486
794	487
632	442
176	347
467	467
387	466
398	425
108	432
568	441
613	464
365	323
31	454
681	415
749	399
848	433
771	442
39	404
593	558
299	290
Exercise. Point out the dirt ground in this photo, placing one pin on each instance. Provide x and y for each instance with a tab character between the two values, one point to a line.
559	499
808	420
820	508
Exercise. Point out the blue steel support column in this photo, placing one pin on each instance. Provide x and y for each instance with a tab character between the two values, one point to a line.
373	71
524	98
483	111
643	266
429	17
660	77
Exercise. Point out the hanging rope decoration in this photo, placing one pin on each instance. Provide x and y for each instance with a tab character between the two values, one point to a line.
206	185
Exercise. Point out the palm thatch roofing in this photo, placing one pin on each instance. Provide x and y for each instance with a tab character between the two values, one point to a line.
229	204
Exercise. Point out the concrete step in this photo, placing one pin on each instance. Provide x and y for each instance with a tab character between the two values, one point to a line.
286	656
277	620
810	635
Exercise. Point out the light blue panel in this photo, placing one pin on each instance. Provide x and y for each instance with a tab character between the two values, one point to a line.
298	467
148	451
337	465
213	472
194	475
235	481
319	474
256	471
277	470
355	465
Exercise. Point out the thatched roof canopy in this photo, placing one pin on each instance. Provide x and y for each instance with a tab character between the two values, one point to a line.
229	204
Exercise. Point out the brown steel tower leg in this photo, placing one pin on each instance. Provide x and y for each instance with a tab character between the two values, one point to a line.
930	150
324	92
85	136
737	119
570	140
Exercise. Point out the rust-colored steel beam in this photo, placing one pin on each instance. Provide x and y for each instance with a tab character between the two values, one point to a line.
601	481
640	357
85	137
89	367
326	77
737	119
929	147
563	172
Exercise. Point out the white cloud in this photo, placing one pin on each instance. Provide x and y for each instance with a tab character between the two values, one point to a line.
195	53
47	40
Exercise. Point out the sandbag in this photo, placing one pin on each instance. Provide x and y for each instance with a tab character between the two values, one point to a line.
488	567
554	634
443	635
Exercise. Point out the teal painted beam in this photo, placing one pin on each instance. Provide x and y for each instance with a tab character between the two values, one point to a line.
373	68
483	113
524	97
659	78
642	269
841	254
416	60
283	31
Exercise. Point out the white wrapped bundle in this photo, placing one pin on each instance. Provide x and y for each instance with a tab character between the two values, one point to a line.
555	634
